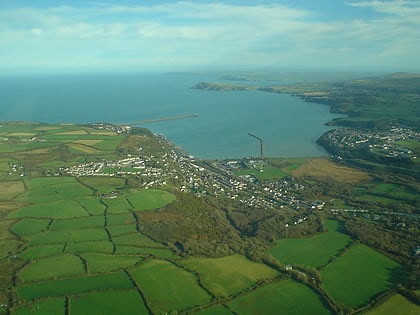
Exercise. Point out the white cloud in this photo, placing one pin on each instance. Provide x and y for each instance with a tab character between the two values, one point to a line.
191	34
395	7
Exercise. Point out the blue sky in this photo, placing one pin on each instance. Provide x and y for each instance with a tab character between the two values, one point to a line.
128	35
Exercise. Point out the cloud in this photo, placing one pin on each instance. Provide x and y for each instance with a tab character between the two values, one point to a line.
190	34
395	7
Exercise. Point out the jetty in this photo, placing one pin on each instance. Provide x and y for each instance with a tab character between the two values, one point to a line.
149	121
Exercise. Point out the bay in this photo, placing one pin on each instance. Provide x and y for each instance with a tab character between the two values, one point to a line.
288	126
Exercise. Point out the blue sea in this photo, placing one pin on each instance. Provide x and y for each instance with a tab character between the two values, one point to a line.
288	126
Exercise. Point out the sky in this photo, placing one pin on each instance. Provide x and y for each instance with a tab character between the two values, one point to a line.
129	35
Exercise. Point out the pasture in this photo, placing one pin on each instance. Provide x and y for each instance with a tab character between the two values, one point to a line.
35	252
117	205
11	189
79	223
396	304
92	204
64	236
98	262
168	287
28	226
135	239
54	306
75	285
116	230
102	246
115	219
121	302
60	209
361	273
228	275
146	251
58	191
58	266
103	185
287	296
147	199
315	251
83	147
214	310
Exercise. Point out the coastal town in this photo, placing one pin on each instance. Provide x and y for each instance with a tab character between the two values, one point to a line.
389	143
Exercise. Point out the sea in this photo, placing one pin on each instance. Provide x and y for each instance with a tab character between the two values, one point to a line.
220	129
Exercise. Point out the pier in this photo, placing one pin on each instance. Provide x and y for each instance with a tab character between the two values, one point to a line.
149	121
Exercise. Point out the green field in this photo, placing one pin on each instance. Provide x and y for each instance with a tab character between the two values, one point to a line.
147	199
396	304
103	185
92	204
354	278
156	252
60	209
47	189
35	252
168	287
315	251
215	310
117	205
116	230
58	266
121	302
228	275
80	223
11	189
75	285
95	247
63	236
284	297
54	306
28	226
124	218
98	263
135	239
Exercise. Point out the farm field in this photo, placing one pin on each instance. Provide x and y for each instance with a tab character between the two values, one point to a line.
80	223
149	199
63	236
102	246
168	287
315	251
354	278
146	251
136	239
124	302
27	226
11	189
75	285
98	263
396	304
60	209
288	295
215	310
35	252
55	306
228	275
63	265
